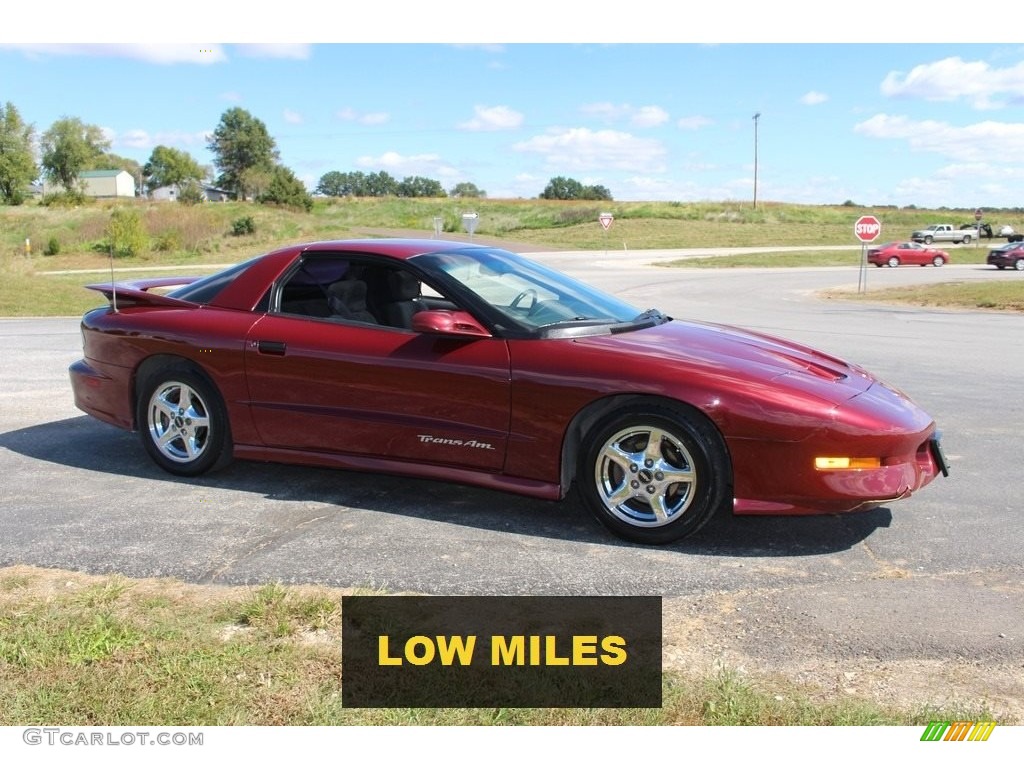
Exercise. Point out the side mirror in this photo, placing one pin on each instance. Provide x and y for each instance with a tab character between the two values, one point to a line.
446	322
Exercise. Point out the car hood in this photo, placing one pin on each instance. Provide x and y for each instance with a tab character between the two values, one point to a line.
690	348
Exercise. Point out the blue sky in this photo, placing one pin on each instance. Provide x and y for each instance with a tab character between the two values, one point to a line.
648	117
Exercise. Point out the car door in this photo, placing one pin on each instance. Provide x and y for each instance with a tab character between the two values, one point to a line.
337	385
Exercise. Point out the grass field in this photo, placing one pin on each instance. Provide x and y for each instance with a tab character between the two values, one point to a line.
91	650
176	235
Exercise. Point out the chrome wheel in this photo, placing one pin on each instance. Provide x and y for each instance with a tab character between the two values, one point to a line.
893	261
645	476
654	474
178	422
938	261
182	421
1019	265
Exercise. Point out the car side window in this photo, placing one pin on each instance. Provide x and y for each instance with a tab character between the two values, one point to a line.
351	289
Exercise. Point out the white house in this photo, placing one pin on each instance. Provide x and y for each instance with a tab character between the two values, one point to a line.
100	184
171	192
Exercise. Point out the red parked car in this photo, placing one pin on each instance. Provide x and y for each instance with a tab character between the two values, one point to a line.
894	254
475	365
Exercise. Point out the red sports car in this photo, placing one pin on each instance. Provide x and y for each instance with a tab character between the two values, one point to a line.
894	254
474	365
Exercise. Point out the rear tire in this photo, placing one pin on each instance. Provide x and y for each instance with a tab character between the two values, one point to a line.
654	474
182	421
893	261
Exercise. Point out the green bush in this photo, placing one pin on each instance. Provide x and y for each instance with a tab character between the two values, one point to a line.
167	241
243	226
52	247
190	193
125	234
64	199
286	189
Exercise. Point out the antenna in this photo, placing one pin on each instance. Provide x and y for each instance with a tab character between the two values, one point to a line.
113	285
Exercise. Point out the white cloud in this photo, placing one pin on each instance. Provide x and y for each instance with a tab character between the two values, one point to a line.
811	98
399	166
350	115
136	138
641	117
985	141
153	53
291	116
952	78
499	118
232	96
649	117
300	51
694	122
581	149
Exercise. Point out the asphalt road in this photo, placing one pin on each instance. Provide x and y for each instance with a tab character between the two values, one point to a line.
932	579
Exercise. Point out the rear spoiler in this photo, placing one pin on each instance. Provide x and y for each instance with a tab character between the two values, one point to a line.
139	292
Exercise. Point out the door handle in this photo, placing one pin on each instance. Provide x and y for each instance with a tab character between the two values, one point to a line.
270	347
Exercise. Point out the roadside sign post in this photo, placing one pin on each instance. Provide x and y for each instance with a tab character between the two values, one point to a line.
866	230
438	224
469	222
606	220
978	213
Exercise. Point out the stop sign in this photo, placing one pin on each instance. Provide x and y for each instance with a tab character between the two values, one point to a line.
867	228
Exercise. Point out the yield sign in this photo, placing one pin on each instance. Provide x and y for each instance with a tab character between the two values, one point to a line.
606	220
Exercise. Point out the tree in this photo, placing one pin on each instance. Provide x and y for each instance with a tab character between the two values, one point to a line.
596	192
359	184
167	166
417	186
466	189
70	147
242	149
17	164
561	188
380	184
285	188
333	184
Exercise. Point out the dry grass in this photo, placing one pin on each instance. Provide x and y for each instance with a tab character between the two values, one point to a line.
106	650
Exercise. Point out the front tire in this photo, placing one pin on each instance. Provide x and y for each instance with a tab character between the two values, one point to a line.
938	261
182	422
1019	265
893	261
654	474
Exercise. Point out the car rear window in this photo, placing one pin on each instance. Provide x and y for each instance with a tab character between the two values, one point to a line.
205	290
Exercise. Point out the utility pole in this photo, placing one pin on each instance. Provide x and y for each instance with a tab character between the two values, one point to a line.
757	116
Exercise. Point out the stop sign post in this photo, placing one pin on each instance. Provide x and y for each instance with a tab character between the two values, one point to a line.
867	229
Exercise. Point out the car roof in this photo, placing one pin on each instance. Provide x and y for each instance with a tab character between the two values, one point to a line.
246	290
398	248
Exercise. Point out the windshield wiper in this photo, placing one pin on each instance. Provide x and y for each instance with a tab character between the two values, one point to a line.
649	314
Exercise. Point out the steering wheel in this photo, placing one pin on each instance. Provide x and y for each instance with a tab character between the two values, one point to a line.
529	292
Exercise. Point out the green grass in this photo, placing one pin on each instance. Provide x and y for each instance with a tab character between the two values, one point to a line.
180	235
1007	294
89	650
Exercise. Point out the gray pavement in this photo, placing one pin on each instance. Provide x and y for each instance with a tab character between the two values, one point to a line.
934	578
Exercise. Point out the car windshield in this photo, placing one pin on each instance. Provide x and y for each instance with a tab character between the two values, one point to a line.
530	295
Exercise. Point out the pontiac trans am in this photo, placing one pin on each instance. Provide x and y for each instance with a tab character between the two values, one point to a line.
474	365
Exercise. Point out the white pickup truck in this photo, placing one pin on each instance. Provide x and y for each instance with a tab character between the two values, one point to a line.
943	233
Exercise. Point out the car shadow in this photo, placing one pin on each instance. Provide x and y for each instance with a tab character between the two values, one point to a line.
83	443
